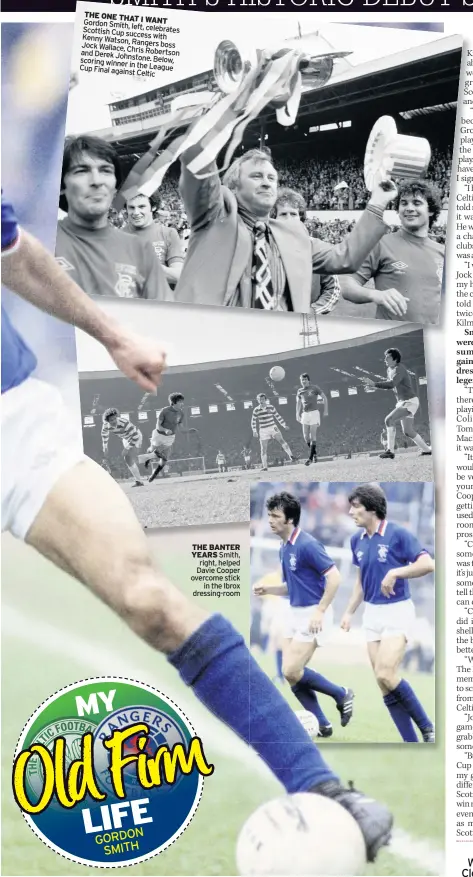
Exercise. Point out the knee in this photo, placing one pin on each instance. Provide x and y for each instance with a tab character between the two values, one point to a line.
291	672
385	677
152	607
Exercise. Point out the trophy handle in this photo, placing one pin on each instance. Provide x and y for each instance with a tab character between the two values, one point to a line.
231	62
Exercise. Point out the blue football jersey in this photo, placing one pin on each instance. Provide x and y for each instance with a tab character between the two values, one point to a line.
18	361
304	563
390	547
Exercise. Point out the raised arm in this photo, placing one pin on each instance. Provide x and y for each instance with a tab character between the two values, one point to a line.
203	198
32	273
346	257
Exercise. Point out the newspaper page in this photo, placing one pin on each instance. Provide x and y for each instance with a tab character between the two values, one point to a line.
263	507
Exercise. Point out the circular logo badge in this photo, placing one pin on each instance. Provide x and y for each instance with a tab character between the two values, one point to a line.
108	772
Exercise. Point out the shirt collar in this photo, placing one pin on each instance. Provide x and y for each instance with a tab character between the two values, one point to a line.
249	219
294	536
379	532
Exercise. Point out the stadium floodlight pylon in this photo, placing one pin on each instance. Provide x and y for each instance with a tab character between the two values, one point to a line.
310	330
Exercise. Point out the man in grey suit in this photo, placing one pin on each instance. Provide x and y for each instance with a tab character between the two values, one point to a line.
239	257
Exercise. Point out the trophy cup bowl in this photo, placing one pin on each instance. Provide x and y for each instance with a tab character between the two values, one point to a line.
390	154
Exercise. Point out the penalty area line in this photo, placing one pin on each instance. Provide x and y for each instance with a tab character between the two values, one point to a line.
100	660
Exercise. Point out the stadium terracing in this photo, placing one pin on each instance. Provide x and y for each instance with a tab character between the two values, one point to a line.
219	397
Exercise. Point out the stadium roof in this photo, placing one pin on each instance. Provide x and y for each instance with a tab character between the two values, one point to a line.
422	76
386	337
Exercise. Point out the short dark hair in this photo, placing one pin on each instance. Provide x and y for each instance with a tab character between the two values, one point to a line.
293	199
175	397
372	498
394	353
258	395
95	146
287	503
424	188
305	375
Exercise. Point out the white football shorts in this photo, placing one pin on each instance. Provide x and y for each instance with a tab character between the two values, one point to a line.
159	440
40	442
269	432
136	442
411	405
296	625
310	418
384	620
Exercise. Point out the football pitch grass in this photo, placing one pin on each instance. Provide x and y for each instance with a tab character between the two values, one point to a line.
56	633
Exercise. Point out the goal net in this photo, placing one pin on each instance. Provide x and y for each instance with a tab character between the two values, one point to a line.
185	466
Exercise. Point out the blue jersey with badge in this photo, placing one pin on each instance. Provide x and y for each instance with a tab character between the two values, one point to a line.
390	547
17	359
304	562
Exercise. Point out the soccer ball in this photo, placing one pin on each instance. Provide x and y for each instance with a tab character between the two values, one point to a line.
301	834
277	373
309	722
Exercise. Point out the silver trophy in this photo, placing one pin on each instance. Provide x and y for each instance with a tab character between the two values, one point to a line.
390	154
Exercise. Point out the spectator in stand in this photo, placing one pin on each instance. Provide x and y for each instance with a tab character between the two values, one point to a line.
291	207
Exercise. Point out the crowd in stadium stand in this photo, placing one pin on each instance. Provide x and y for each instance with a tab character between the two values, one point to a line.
316	180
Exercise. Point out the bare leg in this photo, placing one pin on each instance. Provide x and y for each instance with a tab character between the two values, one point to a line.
264	453
99	541
409	430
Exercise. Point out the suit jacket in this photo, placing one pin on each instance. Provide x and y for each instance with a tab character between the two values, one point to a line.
217	266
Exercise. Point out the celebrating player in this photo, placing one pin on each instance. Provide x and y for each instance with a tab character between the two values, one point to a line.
406	265
169	422
130	436
311	579
407	402
263	420
308	414
386	557
67	507
102	259
165	240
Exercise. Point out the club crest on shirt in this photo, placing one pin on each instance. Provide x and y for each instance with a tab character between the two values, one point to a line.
383	553
359	555
292	561
125	286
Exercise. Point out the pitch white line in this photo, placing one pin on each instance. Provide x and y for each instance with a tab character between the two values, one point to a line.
104	661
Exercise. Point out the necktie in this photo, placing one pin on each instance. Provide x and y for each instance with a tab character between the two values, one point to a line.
263	290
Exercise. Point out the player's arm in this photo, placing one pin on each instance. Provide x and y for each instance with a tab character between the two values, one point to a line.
160	428
32	273
332	584
354	289
421	567
174	257
254	424
278	417
324	400
354	602
346	257
203	198
387	384
273	590
105	436
298	407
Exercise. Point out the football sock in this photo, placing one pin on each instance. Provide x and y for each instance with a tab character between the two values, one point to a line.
313	450
264	460
286	448
314	680
278	657
135	471
216	663
412	705
308	699
419	441
401	718
391	433
158	469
